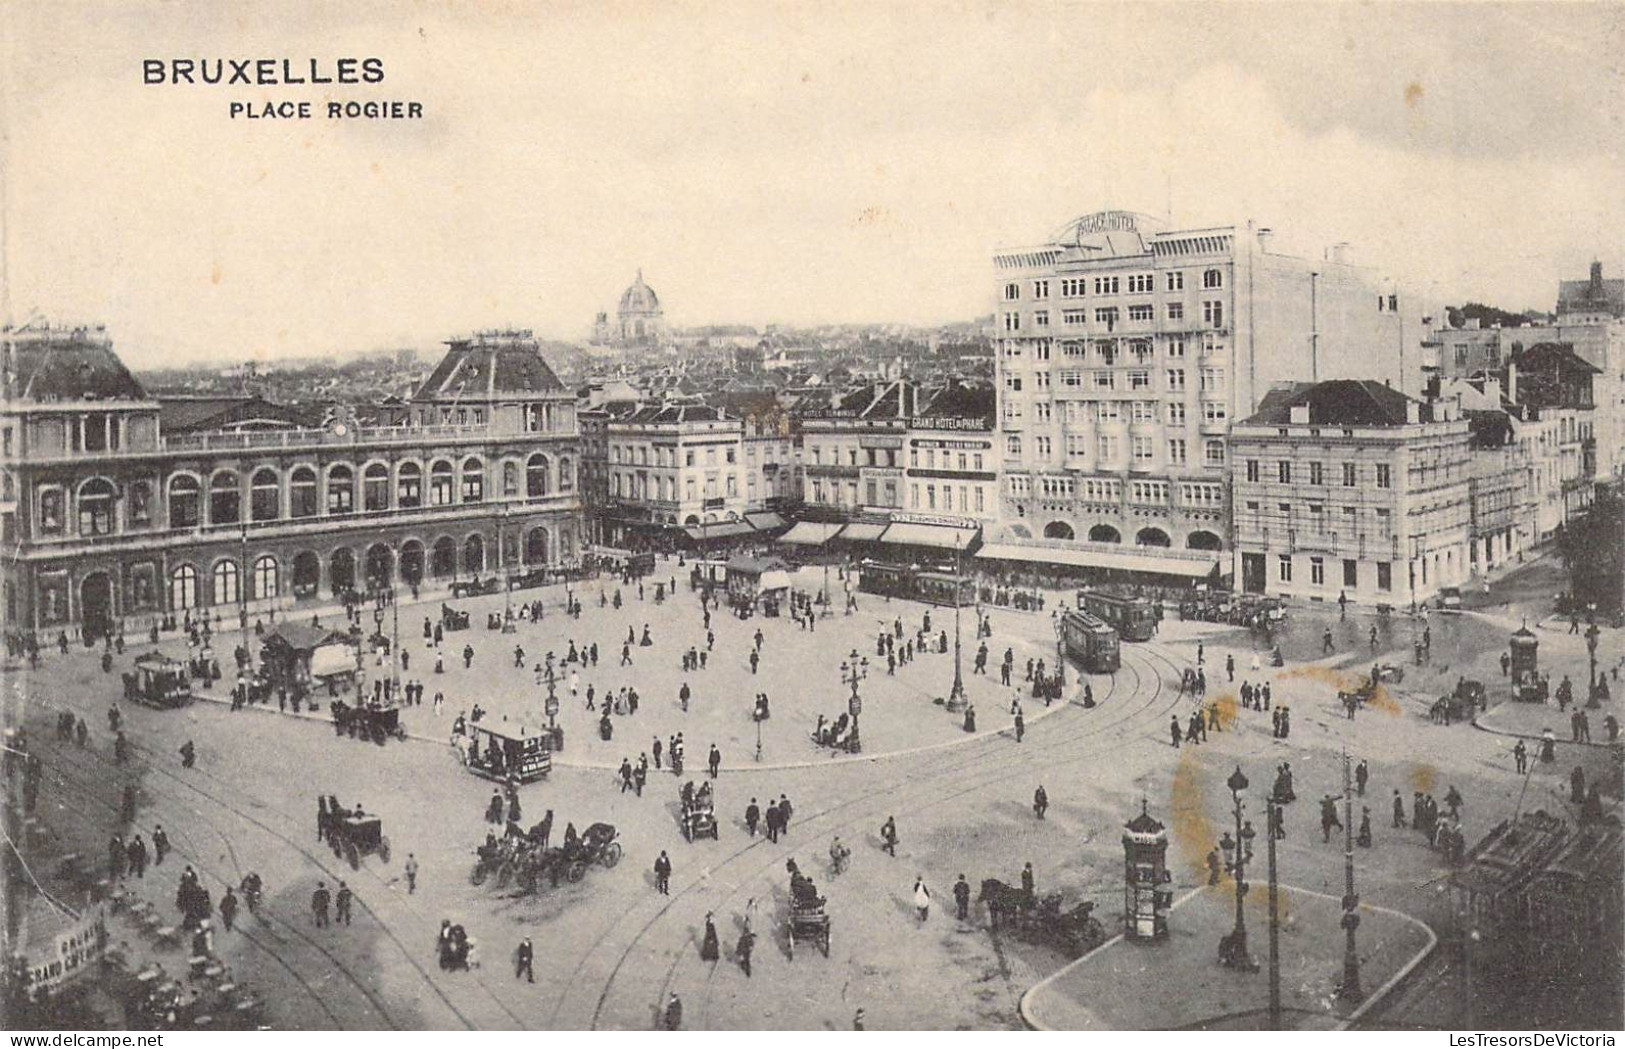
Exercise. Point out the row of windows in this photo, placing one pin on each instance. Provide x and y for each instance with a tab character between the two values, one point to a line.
1381	476
1107	446
1111	351
1351	572
1140	313
1137	284
97	498
641	486
666	456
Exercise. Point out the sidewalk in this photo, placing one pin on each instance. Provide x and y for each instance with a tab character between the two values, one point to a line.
1178	983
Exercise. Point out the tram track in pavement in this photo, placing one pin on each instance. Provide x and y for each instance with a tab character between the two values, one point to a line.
1090	727
1071	741
85	789
320	864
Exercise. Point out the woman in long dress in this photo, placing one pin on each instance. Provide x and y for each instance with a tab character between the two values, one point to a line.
709	951
922	898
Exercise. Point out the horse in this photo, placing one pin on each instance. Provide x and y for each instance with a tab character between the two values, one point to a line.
1001	898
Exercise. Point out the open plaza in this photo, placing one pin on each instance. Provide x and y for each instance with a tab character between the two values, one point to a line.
610	950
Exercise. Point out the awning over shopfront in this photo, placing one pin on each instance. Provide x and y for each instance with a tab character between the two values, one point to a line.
862	532
1187	564
764	522
718	530
908	534
810	533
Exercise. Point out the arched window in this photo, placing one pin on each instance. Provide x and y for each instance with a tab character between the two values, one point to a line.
567	476
226	583
473	481
1152	537
183	504
1212	279
340	490
375	488
409	487
443	560
1058	530
1104	533
225	499
266	577
183	586
536	476
264	496
302	493
474	554
510	478
96	507
442	484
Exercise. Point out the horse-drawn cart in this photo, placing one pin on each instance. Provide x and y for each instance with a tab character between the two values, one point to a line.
369	721
353	836
699	812
808	923
526	860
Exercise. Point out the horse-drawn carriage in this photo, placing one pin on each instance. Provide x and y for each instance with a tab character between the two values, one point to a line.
524	859
808	921
476	587
367	721
452	619
1042	920
353	835
1468	697
158	681
699	812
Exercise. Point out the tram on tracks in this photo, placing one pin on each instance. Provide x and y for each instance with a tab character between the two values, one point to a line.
1134	618
1089	642
916	584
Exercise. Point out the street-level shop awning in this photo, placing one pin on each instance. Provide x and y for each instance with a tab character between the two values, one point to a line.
718	530
909	534
810	533
862	532
1129	560
764	522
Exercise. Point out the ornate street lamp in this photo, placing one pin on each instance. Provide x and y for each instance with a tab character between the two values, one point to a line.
1237	850
956	695
1349	989
854	670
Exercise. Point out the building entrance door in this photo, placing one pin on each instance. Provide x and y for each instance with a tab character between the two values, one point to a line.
96	605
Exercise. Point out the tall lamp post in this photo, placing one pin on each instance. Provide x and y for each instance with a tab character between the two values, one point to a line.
1271	822
825	613
1349	989
1592	634
956	695
551	707
1233	945
508	625
1060	647
854	670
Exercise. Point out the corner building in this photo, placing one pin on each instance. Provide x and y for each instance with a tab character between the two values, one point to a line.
111	521
1125	350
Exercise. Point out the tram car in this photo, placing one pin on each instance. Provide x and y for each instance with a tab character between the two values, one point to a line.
494	754
158	682
1090	643
916	584
1134	618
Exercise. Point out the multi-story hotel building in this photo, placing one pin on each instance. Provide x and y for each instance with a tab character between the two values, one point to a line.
1348	487
114	521
1125	350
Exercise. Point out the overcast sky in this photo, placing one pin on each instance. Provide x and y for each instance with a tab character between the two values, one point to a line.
797	164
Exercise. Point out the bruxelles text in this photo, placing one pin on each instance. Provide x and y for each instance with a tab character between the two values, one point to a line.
261	72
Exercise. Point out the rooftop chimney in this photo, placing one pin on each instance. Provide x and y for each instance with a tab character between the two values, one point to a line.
1596	279
1512	381
1338	253
1300	415
1264	235
1413	411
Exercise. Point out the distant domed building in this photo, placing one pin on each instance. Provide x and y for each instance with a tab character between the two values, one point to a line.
640	318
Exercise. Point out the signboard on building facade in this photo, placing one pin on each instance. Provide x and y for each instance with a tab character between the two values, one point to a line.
70	955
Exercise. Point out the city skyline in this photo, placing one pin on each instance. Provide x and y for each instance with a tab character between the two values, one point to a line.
741	166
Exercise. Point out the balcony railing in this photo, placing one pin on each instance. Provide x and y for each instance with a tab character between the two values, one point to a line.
255	440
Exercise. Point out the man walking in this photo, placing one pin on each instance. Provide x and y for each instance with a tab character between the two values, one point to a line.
888	836
160	845
411	874
962	897
663	874
753	813
342	903
525	957
318	905
1520	754
716	761
1040	801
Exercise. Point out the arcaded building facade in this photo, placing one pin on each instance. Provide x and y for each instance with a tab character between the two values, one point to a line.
110	521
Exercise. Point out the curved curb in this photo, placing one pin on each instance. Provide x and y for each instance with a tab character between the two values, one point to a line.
1372	1000
832	760
1605	744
